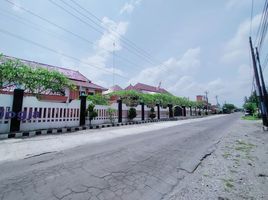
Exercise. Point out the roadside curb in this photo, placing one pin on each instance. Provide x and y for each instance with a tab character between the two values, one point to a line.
27	134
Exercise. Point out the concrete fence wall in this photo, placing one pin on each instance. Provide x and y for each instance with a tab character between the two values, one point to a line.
36	114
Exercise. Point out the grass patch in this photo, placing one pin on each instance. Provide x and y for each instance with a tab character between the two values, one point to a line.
228	183
226	155
244	147
250	118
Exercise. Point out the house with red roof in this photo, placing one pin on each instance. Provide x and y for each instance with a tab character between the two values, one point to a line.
143	88
83	84
114	88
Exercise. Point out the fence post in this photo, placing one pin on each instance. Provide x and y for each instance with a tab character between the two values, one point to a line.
170	109
83	108
142	111
191	112
119	110
184	111
158	111
16	108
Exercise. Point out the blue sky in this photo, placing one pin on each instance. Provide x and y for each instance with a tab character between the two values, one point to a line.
194	46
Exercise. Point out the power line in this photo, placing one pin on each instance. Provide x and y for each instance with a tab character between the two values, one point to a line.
262	29
56	52
251	17
100	21
68	31
136	52
62	28
250	32
72	33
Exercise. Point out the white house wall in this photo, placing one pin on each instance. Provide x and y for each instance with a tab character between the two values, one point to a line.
61	115
6	105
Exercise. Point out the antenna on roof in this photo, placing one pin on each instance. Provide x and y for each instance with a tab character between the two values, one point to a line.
113	61
159	85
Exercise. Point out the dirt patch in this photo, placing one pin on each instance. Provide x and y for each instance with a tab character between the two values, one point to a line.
237	169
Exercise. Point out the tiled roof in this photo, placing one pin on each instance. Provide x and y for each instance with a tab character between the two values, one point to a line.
76	77
115	88
141	86
130	87
88	85
71	74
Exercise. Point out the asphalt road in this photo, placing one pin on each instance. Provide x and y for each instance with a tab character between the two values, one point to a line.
144	166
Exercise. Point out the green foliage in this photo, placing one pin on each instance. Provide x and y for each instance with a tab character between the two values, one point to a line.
250	117
91	112
32	80
132	113
251	104
98	99
228	108
111	113
152	114
133	98
250	107
130	97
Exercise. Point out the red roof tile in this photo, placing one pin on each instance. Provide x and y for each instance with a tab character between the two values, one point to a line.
130	87
149	88
77	78
71	74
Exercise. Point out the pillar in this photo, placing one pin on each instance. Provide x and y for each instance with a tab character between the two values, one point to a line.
170	108
83	109
16	108
158	111
142	111
119	110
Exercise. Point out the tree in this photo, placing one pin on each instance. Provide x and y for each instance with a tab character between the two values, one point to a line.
133	98
228	108
14	73
91	112
98	99
132	113
250	107
251	103
152	114
111	113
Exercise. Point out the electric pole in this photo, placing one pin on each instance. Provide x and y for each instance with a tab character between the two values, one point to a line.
206	92
264	119
113	61
217	100
263	87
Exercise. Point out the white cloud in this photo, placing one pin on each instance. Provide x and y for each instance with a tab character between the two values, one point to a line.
237	49
237	3
180	77
103	51
112	35
130	6
236	54
174	74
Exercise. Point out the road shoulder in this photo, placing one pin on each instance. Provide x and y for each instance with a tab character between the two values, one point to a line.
237	169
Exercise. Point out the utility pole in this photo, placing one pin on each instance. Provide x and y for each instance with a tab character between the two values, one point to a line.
113	61
264	119
217	100
263	87
206	92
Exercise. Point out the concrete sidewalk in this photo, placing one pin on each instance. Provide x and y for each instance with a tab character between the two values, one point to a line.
14	149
